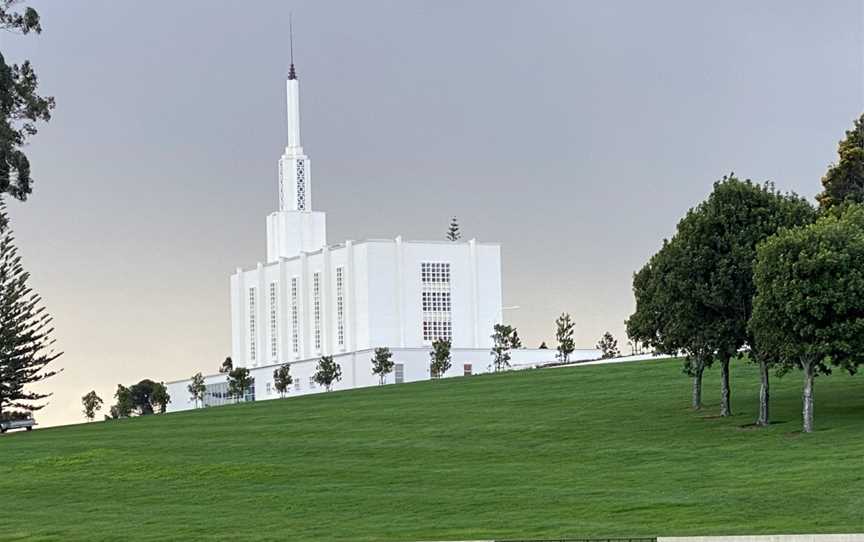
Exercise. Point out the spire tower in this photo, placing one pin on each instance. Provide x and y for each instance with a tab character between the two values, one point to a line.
294	228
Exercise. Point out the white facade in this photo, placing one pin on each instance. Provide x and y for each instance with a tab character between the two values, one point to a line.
311	299
361	295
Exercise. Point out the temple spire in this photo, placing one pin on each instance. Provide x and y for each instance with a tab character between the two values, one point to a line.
292	74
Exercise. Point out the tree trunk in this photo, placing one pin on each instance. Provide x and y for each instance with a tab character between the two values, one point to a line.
764	420
808	397
697	386
725	406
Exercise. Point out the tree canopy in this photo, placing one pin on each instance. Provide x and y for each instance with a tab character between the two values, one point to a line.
695	295
844	181
21	106
809	305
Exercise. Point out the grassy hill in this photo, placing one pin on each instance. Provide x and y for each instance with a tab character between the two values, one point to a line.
587	451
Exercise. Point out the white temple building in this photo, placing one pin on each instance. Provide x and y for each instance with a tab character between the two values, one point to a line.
310	299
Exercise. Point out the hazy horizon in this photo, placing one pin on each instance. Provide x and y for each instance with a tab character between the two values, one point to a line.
575	134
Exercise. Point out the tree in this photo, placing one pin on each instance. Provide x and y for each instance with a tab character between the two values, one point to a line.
515	341
239	381
26	346
160	397
148	397
720	236
327	372
608	345
667	319
21	107
453	233
564	335
227	366
124	406
698	297
844	180
502	342
92	403
440	358
809	305
543	346
197	388
382	364
282	379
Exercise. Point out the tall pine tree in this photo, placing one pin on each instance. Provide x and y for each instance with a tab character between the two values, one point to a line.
453	233
25	330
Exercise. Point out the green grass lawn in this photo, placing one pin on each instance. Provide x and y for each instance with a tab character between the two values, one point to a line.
588	451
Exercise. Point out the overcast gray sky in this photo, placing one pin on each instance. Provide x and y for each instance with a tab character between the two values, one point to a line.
574	133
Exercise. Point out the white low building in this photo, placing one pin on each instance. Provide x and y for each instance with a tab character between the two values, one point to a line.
311	299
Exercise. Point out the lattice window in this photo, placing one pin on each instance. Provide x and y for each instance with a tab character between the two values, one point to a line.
316	308
252	331
435	301
274	321
295	320
300	179
340	306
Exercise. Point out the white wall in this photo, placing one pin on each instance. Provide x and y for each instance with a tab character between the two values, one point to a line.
382	298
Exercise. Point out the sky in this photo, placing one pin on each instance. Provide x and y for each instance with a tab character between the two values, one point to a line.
576	134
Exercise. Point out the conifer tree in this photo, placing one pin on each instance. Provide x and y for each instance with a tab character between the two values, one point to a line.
227	365
453	233
26	346
515	341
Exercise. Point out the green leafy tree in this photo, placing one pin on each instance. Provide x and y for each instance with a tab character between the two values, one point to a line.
160	397
502	342
440	358
21	107
282	379
453	233
382	364
608	346
703	295
327	372
26	346
809	304
197	388
92	403
239	381
124	405
564	335
666	318
227	366
149	397
844	181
